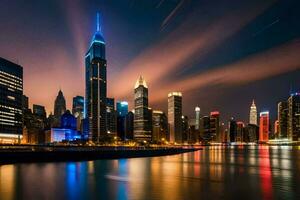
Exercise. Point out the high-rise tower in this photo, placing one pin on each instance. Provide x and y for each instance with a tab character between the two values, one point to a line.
264	126
95	86
293	126
142	126
59	105
174	116
253	114
197	121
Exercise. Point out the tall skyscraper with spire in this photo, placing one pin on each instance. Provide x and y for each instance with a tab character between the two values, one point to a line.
59	105
142	126
197	121
96	86
253	114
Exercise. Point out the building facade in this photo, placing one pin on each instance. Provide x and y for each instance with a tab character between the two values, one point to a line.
197	119
293	128
96	86
159	126
11	93
282	117
174	117
253	114
111	117
264	126
215	126
142	126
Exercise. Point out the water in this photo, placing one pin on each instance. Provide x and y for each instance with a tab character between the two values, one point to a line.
213	173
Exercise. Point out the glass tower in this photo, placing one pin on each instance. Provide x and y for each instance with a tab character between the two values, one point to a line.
253	114
174	116
11	92
96	86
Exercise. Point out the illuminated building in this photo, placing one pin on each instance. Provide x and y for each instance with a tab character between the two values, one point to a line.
174	116
239	132
78	106
142	126
67	130
159	126
215	126
59	107
197	121
78	111
282	117
294	117
96	86
232	130
264	126
253	114
111	117
276	129
11	92
185	128
122	108
39	111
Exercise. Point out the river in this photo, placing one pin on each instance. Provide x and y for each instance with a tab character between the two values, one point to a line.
240	172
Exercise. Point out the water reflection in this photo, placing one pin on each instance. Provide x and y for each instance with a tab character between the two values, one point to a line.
214	173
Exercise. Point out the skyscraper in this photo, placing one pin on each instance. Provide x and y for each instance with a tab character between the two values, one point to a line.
232	130
11	92
240	132
294	117
215	126
264	126
185	128
40	111
253	114
197	121
282	117
111	117
160	125
122	110
174	116
78	111
142	127
59	105
96	86
78	106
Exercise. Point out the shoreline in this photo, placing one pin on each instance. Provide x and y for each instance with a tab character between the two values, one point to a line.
33	154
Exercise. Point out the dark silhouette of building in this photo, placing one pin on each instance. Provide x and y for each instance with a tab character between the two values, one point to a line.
142	126
122	110
185	128
205	128
59	108
11	93
129	129
39	111
96	86
111	117
232	130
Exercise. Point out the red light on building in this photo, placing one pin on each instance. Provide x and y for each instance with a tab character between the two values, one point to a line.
264	126
214	113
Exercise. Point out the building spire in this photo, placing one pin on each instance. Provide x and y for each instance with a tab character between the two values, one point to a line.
98	22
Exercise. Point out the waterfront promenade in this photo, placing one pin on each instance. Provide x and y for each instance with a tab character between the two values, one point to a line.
41	153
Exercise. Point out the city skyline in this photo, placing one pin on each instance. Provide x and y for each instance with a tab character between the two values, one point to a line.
163	29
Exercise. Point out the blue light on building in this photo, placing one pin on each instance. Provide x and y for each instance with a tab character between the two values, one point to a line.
122	108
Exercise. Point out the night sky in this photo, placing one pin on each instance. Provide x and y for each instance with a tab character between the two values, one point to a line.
221	54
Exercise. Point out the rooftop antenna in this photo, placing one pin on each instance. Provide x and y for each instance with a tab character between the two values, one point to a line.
98	22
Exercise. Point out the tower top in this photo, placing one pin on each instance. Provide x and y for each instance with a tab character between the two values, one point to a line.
140	81
98	22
